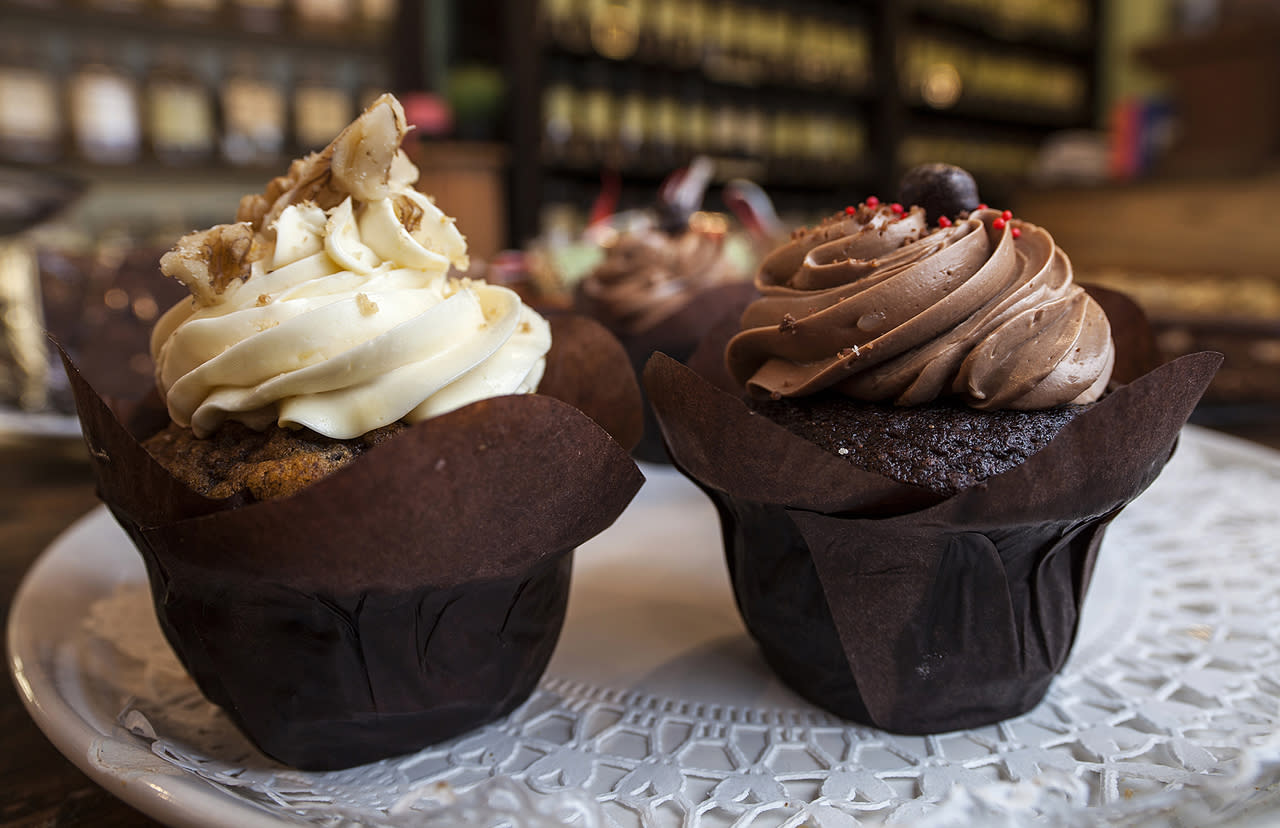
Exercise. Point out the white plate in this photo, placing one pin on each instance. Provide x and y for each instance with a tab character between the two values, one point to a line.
38	425
657	711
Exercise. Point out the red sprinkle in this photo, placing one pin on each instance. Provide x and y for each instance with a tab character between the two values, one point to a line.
896	208
982	206
943	221
872	201
848	211
1015	232
998	224
1006	215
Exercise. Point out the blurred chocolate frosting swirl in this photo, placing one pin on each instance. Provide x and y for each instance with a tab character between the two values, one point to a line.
876	305
648	276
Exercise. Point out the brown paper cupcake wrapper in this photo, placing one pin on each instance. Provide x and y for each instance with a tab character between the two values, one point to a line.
904	609
678	336
409	596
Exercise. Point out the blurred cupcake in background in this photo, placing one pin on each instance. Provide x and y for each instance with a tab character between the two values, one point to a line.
666	277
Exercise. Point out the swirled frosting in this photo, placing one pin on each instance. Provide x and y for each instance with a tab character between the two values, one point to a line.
649	276
340	320
877	306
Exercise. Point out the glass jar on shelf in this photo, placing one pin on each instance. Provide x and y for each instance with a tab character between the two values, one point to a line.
116	6
683	28
261	16
377	17
31	121
631	127
190	11
326	18
615	28
374	81
104	110
663	127
566	23
648	41
697	121
559	113
254	113
322	106
598	114
179	112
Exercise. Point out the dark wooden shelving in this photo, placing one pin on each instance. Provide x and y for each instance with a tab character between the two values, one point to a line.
762	82
888	115
1004	35
998	115
157	27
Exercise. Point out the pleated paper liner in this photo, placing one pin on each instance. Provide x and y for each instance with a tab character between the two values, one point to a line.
900	608
677	336
408	597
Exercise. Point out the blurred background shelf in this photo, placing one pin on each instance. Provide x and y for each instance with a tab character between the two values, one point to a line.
1145	135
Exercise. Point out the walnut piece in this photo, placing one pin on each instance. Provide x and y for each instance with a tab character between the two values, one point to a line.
361	162
207	261
408	213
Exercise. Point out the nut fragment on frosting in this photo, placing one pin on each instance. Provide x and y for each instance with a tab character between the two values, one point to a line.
875	305
329	305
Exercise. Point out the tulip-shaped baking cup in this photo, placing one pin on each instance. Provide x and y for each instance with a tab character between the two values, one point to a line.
406	598
896	607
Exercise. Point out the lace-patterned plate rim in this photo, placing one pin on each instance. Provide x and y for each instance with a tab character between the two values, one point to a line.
64	583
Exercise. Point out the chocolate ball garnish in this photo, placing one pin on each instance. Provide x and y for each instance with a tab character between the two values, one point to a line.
941	189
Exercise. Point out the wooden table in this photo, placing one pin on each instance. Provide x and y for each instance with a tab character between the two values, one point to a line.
41	493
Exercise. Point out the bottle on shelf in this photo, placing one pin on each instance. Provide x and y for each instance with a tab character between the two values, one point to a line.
559	108
254	113
374	81
720	58
615	28
322	106
376	18
190	12
664	126
104	110
327	18
567	23
598	115
260	16
31	121
632	145
179	112
695	120
681	31
116	6
648	46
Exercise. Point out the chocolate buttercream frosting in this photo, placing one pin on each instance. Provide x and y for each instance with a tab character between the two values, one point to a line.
876	305
648	277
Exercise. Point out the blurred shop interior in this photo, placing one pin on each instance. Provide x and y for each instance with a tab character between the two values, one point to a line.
1144	134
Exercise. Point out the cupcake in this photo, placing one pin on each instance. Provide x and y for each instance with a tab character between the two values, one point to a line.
915	441
661	285
342	495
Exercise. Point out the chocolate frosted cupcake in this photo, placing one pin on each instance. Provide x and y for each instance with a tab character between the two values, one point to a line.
915	442
336	520
662	287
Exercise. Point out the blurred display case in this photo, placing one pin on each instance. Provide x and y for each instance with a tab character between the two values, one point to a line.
164	112
1190	251
144	98
820	102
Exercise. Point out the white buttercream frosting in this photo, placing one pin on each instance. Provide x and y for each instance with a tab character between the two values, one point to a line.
349	323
